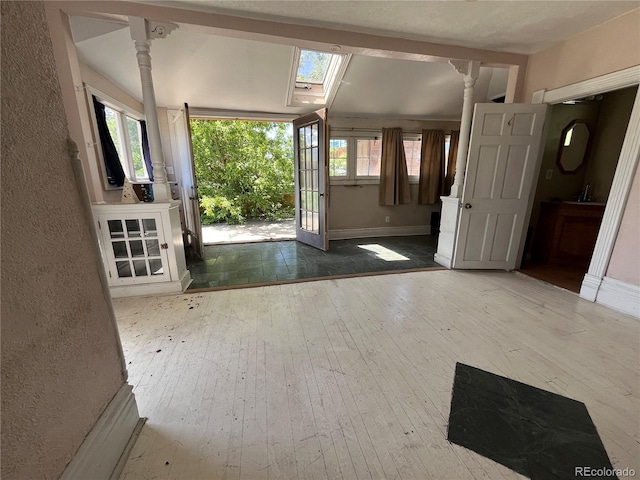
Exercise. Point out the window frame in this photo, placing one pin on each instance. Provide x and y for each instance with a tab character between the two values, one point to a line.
352	137
304	94
413	137
123	111
352	157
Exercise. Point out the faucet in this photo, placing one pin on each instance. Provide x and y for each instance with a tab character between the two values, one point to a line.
585	197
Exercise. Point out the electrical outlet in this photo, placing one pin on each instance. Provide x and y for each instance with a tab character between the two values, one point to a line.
387	219
549	174
169	170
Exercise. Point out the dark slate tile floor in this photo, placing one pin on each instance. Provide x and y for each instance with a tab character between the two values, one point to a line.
539	434
266	262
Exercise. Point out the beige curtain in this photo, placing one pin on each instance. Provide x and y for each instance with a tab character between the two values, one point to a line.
451	163
431	167
394	180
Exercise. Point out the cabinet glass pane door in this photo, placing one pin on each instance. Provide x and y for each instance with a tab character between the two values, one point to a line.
136	249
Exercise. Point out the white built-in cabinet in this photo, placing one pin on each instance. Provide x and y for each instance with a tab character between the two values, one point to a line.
142	248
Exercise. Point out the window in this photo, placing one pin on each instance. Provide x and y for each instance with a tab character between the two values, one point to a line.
369	153
313	66
125	127
338	157
356	158
315	77
412	148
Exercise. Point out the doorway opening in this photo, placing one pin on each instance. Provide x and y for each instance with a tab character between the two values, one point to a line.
581	155
244	172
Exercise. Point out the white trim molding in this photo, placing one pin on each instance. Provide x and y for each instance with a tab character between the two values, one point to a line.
621	296
624	174
174	287
347	233
605	83
102	449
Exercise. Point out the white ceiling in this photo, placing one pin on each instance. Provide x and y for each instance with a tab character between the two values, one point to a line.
516	26
217	72
233	74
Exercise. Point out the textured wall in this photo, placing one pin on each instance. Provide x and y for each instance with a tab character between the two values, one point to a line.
60	357
357	206
106	86
625	260
612	46
607	141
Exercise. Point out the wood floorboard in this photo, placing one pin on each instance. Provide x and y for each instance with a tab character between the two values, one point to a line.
351	378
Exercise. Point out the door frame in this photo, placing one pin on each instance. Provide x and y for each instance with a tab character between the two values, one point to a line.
625	170
183	167
321	239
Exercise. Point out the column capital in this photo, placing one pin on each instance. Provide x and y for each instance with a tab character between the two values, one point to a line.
143	30
467	68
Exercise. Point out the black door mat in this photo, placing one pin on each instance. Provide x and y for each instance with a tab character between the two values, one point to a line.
539	434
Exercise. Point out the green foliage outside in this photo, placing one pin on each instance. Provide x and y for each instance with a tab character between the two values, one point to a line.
244	170
133	127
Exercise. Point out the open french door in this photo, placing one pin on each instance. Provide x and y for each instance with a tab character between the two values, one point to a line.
502	165
187	178
311	178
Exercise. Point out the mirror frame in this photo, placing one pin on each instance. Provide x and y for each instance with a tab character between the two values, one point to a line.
563	135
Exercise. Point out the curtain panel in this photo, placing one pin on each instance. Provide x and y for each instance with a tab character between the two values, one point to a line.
112	165
431	167
394	179
451	164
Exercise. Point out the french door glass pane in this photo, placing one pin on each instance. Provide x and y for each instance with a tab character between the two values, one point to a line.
124	269
136	248
153	248
150	229
155	265
140	267
120	249
133	228
115	228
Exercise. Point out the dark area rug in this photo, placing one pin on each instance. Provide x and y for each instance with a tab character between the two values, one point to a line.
539	434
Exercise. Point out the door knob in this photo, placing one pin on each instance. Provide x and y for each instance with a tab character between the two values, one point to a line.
467	205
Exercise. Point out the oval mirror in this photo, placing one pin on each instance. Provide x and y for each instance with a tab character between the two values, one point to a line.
573	147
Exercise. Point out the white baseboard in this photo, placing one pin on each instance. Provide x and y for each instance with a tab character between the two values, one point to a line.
442	260
347	233
589	288
621	296
103	447
159	288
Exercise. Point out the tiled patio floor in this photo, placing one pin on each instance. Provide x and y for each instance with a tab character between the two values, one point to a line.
272	262
251	231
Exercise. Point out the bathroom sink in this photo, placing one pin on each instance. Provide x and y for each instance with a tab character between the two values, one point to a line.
586	203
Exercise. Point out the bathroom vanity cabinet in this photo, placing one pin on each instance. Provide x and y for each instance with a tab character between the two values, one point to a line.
566	232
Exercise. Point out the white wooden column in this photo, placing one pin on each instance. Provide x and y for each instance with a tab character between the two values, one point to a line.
450	213
470	70
142	32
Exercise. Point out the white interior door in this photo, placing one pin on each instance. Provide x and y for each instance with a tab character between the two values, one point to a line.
183	158
503	163
311	173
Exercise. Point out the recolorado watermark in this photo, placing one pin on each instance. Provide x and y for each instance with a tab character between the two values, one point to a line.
604	472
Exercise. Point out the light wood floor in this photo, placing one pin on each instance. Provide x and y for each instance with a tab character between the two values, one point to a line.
352	378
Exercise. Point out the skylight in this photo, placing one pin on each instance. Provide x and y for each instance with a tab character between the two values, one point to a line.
313	66
315	77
